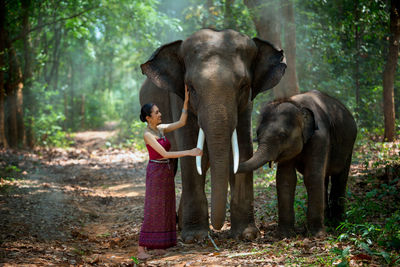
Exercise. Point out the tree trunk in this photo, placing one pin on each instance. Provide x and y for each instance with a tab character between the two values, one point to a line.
390	71
289	85
66	113
71	114
27	77
20	109
82	113
11	117
54	58
265	17
207	21
229	21
357	38
45	45
14	100
3	140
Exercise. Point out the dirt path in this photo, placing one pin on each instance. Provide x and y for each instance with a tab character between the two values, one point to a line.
84	206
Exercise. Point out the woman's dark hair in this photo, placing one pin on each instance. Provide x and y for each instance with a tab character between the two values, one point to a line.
146	111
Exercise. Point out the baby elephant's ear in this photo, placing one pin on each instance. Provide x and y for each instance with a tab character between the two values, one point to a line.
309	124
166	69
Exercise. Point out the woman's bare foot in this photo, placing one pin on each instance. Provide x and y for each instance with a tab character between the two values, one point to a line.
158	252
142	254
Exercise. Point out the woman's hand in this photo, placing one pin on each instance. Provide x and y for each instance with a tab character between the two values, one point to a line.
196	152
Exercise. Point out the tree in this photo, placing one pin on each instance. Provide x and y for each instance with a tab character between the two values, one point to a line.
3	140
228	17
390	71
340	52
29	100
14	100
266	17
289	82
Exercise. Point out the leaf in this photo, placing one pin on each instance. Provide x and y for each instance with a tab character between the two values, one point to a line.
385	255
362	257
343	263
366	248
135	260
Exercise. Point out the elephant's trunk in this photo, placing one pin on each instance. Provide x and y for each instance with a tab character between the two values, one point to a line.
218	129
221	169
259	158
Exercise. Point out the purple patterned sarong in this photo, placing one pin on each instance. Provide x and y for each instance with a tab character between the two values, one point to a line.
159	224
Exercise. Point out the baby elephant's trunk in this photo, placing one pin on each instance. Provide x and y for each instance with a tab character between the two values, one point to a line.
259	158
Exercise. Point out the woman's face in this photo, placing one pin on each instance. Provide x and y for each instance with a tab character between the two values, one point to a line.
155	116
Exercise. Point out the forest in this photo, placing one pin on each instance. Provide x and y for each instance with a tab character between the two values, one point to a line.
72	155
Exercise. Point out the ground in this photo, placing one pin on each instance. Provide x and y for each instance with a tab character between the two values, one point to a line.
84	206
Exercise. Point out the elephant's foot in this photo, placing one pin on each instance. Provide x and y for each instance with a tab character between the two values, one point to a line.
332	221
335	214
317	231
250	232
286	232
194	235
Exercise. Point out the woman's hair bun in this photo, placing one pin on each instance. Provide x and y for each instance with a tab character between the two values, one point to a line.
142	119
145	111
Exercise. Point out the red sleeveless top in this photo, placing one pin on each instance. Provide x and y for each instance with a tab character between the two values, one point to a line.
164	142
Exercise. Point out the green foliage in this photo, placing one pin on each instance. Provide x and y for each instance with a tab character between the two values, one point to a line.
86	60
48	121
8	175
135	260
48	131
372	216
331	59
136	135
213	14
12	168
342	256
358	228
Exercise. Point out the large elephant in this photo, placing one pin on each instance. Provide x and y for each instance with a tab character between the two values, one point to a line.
314	134
224	71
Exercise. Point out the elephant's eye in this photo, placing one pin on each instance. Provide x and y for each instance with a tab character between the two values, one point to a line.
192	91
282	135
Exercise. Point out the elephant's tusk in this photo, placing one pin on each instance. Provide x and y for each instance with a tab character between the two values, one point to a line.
235	151
200	144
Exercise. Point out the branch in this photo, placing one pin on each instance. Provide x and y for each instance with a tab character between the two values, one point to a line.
50	23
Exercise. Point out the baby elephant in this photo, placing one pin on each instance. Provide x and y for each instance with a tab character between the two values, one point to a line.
314	134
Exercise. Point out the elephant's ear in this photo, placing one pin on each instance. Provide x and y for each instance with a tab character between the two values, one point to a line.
165	68
269	67
309	125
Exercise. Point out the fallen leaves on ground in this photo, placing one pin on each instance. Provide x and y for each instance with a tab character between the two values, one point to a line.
84	206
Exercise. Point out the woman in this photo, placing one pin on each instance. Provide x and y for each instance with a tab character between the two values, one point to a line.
159	225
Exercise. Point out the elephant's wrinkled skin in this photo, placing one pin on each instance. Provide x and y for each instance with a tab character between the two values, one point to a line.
313	133
224	71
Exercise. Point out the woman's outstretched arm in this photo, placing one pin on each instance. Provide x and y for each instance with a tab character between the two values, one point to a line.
182	121
151	140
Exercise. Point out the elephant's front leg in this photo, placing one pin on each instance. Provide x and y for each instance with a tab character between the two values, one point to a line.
315	184
242	209
286	180
314	180
195	224
193	208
